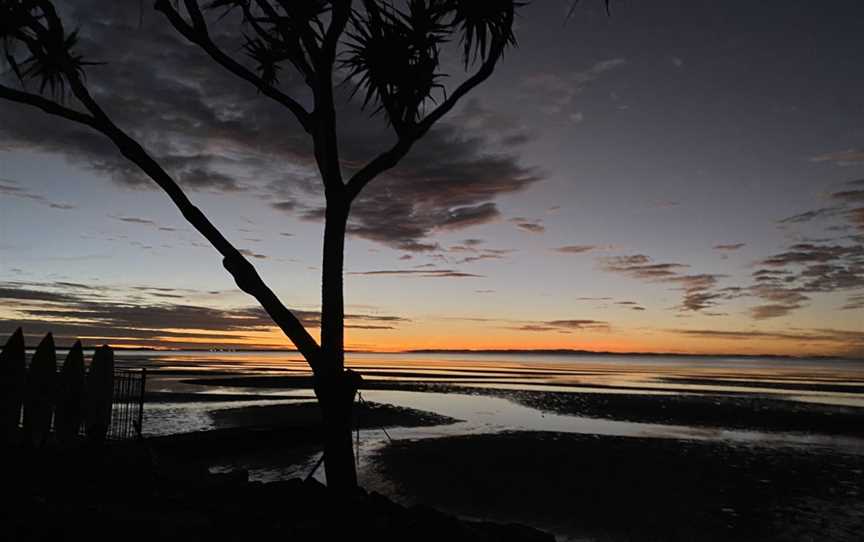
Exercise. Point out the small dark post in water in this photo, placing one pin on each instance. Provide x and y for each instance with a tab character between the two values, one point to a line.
13	373
100	390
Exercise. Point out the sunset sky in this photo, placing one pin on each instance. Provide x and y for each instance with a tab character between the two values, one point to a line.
683	176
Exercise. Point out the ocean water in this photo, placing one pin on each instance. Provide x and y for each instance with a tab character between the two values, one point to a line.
183	406
544	371
827	381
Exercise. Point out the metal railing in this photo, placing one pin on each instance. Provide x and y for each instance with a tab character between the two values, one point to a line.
127	404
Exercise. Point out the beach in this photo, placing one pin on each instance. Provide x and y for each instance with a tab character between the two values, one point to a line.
431	270
584	487
586	449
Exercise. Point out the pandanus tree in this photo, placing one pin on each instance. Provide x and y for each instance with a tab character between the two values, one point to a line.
388	52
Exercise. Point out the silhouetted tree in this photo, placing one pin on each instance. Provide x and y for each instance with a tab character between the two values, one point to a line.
391	52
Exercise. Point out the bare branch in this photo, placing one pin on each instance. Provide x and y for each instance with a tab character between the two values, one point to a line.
325	135
383	162
299	58
307	35
244	273
467	86
338	22
46	105
197	33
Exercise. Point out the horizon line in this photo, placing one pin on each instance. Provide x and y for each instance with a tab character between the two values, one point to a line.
491	351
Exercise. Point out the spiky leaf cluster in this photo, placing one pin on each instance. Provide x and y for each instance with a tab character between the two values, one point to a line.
393	53
282	31
392	59
37	48
482	24
390	49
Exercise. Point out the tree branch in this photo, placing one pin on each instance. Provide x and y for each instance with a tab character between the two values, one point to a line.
300	56
46	105
383	162
338	22
467	86
244	273
325	135
197	33
307	36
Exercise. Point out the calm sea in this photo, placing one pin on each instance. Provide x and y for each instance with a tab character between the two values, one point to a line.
827	381
812	379
180	405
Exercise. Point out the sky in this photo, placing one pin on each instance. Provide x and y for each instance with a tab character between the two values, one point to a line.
678	176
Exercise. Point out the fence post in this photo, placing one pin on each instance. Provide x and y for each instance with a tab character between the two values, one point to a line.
75	399
100	391
40	392
139	427
70	398
13	372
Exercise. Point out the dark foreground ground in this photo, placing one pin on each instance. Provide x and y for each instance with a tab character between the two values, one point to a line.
120	492
264	437
586	487
619	488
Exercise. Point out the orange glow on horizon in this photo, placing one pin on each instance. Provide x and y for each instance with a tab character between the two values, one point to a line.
484	339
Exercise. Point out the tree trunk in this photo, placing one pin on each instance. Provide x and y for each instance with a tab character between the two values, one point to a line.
335	387
336	399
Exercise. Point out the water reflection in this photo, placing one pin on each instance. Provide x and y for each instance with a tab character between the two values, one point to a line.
483	414
833	382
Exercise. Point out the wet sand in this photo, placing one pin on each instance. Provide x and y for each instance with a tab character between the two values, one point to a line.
581	487
723	409
716	410
277	430
366	415
625	488
414	379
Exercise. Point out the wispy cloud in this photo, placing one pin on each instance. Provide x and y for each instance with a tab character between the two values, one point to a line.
852	342
562	326
848	157
854	302
471	250
631	305
807	216
577	249
143	222
640	266
251	254
699	289
558	90
143	315
419	273
730	247
199	123
528	225
850	207
15	190
787	279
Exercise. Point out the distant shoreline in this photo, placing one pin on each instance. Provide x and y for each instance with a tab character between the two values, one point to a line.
526	352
